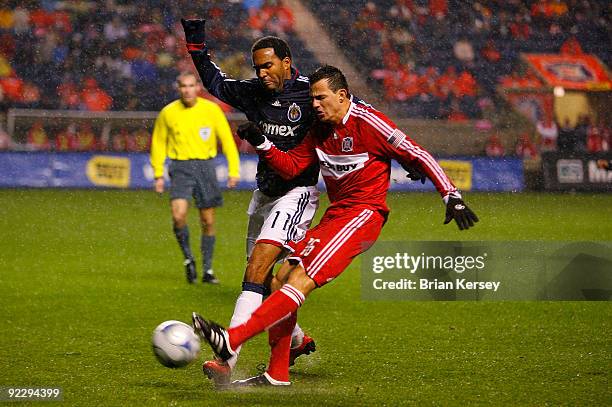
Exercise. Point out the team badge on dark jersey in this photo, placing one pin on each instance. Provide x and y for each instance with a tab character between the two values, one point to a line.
294	113
347	144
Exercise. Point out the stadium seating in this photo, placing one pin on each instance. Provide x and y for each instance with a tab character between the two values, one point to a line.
95	56
431	59
406	47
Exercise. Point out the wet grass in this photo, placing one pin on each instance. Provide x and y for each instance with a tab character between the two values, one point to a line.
86	275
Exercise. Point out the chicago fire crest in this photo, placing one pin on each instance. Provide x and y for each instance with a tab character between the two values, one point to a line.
347	144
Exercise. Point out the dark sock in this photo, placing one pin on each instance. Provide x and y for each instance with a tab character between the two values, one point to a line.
207	246
256	288
182	237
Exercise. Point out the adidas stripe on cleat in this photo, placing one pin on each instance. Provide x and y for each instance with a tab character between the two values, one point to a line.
215	335
258	381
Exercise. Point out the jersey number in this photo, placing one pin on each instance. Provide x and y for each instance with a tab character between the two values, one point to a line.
309	246
286	221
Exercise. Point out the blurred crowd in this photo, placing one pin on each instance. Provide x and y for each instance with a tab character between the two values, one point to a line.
585	136
435	59
444	58
120	55
83	137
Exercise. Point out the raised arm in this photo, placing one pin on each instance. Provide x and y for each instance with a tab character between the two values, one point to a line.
235	93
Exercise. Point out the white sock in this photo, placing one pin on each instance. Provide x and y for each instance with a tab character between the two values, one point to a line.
297	336
246	303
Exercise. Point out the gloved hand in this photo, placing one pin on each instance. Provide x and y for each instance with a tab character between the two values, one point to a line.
458	210
251	132
414	173
194	33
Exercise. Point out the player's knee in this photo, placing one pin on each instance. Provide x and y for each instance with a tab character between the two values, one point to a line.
207	220
283	273
208	228
179	220
260	263
276	284
300	280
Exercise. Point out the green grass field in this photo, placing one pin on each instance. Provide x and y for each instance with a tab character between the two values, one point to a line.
85	276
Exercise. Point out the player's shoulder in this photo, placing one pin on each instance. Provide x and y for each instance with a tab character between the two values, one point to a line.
252	83
300	84
244	87
252	89
364	106
364	114
301	79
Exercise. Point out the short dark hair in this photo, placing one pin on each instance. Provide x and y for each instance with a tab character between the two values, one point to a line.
280	46
335	78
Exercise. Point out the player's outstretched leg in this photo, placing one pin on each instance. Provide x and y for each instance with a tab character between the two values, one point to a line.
277	373
301	344
223	342
220	371
263	257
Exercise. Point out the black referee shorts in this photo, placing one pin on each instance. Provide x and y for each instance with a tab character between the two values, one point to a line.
197	179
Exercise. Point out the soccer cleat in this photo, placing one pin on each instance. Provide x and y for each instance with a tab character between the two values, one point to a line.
258	381
218	371
210	278
215	335
306	348
190	270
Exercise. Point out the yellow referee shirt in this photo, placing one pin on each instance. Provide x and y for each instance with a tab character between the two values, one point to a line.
191	133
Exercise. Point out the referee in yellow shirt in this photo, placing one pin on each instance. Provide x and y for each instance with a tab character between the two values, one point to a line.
186	131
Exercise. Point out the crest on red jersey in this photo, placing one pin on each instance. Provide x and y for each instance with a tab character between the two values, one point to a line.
347	144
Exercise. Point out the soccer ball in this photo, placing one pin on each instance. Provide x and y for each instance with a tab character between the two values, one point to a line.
175	344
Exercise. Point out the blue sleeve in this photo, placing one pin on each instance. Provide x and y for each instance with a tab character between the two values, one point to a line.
236	93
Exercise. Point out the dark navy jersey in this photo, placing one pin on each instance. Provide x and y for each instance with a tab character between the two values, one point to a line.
285	117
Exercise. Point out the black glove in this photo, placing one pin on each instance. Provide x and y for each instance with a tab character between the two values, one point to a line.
194	33
252	133
414	173
458	210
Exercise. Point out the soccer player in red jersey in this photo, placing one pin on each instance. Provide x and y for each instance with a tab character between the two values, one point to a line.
354	145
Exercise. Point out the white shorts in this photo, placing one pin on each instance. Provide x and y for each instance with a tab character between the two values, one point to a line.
282	219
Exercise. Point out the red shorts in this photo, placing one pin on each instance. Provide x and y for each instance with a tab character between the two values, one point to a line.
328	248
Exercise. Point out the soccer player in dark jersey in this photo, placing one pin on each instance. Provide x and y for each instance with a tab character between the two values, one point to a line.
354	146
281	209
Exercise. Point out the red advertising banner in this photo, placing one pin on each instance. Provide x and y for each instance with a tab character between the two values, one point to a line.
574	72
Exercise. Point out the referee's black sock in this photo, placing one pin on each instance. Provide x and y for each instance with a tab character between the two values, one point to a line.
182	237
207	246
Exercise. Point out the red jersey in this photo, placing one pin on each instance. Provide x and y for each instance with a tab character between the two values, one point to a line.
355	158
